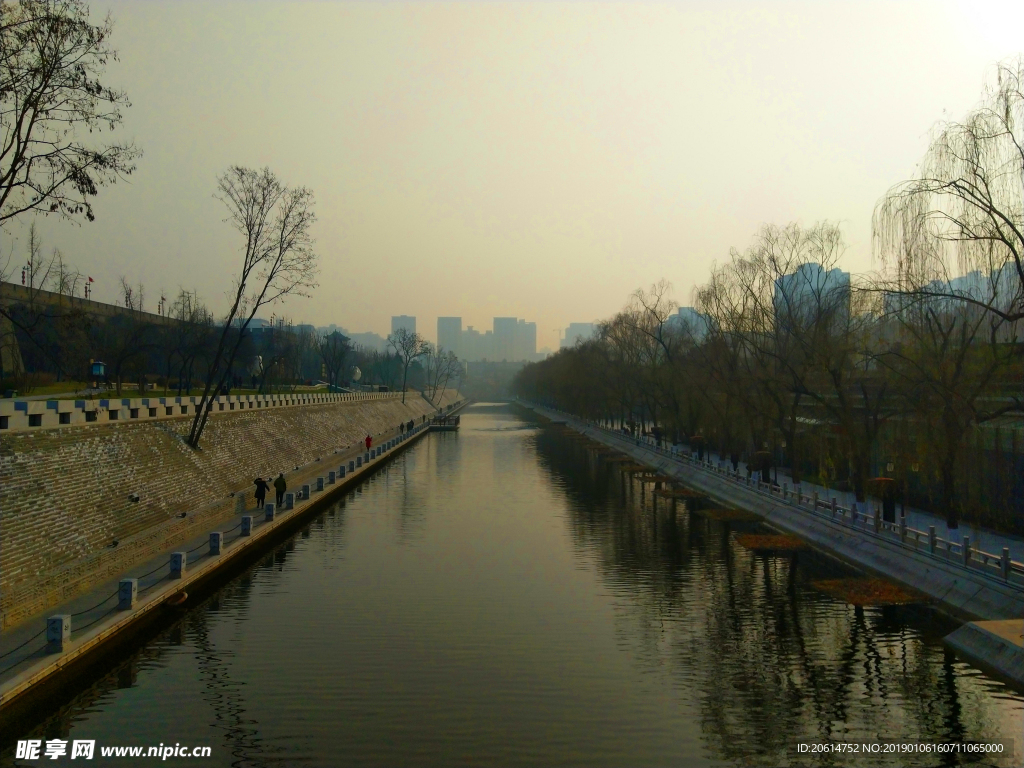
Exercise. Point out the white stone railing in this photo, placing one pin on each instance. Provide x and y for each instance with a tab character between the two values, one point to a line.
24	415
867	520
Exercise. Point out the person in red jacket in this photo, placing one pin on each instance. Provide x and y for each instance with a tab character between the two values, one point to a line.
368	441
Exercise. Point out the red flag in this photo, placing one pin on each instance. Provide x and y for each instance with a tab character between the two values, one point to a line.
90	279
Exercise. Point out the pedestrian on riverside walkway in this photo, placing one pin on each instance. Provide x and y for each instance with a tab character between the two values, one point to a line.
368	441
401	428
280	485
262	486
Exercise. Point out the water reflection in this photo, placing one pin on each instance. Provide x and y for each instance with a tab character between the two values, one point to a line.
774	661
506	596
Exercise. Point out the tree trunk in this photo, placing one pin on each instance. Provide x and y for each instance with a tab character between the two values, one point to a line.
950	503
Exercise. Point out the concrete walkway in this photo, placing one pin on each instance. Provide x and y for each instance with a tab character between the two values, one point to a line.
982	538
23	647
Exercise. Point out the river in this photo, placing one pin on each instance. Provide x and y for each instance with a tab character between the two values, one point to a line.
504	596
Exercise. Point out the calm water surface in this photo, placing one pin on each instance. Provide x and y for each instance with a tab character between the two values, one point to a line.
504	596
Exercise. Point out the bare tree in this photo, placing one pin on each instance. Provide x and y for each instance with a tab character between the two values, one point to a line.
441	366
51	102
408	346
384	367
333	349
278	260
126	337
948	361
964	210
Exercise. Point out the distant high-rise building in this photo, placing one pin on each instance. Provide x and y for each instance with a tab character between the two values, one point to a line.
576	332
403	321
526	341
505	338
449	334
690	322
810	294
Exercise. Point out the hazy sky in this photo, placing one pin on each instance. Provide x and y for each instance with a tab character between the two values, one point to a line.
538	160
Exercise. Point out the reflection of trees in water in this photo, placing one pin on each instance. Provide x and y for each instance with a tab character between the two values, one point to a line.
773	662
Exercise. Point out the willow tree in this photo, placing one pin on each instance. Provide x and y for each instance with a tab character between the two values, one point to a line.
278	260
964	210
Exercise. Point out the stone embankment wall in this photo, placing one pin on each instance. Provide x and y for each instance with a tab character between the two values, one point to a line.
67	494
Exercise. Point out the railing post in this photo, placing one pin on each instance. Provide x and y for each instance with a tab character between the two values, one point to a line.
178	565
814	502
247	525
834	505
903	527
965	550
785	492
58	632
216	540
878	519
931	539
1005	563
127	591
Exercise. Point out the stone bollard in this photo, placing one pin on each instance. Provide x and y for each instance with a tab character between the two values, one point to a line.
351	467
359	461
366	457
269	511
216	541
319	483
966	550
179	564
341	472
331	478
127	591
903	527
247	524
305	492
289	501
58	632
239	502
931	539
1005	562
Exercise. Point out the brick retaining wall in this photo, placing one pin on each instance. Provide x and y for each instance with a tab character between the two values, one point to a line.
67	493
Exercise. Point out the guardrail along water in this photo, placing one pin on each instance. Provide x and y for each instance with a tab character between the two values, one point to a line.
510	594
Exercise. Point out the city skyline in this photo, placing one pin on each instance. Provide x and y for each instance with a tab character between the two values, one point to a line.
548	179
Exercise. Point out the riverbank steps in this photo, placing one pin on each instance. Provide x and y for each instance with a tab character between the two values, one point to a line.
68	494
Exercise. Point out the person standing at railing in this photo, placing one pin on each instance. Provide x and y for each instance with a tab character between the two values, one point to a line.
280	485
261	491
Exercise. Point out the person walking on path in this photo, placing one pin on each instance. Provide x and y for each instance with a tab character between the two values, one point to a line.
368	441
401	428
262	486
280	485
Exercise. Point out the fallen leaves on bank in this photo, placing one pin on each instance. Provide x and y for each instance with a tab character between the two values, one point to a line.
866	591
768	542
728	515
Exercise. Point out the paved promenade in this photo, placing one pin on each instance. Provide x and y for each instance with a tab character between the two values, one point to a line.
983	538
